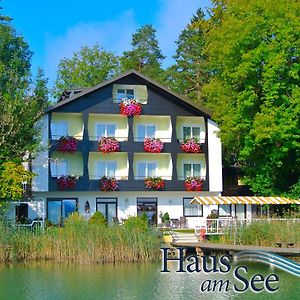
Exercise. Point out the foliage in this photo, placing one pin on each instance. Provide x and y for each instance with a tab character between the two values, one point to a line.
66	182
145	56
153	145
193	184
97	219
165	217
108	184
87	67
130	108
191	146
136	223
253	52
154	183
67	144
190	70
12	177
108	144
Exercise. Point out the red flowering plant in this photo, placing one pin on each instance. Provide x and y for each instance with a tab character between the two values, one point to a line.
190	145
153	145
67	144
108	184
108	144
130	107
154	183
193	184
66	182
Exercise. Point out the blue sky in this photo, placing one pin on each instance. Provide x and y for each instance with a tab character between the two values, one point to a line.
55	29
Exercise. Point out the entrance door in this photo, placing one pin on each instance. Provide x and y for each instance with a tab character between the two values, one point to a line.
148	206
108	207
22	213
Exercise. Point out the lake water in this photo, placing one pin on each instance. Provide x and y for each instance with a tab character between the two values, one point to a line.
130	281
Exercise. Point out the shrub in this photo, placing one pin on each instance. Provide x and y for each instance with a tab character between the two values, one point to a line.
165	217
136	223
97	219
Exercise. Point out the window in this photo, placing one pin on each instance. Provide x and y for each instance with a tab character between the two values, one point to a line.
106	168
192	210
146	169
191	170
145	131
59	209
224	210
125	94
108	207
59	168
59	129
105	130
191	132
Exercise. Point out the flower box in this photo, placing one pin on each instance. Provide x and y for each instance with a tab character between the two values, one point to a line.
153	145
67	144
154	183
193	184
130	108
108	184
191	146
66	182
108	144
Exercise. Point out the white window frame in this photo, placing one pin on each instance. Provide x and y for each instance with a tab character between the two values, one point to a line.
146	173
192	168
106	168
54	135
191	126
141	139
54	167
104	124
119	100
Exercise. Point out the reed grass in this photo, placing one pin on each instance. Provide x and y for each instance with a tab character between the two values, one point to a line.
264	233
79	242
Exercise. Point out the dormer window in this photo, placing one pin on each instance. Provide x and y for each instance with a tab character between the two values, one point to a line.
125	94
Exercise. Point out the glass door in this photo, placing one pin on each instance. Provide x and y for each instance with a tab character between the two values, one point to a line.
148	206
108	207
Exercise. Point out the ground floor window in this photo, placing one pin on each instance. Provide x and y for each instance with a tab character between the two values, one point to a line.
225	210
192	210
59	209
22	213
148	206
108	207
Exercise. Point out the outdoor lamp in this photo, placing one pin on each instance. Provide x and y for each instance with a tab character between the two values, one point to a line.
87	207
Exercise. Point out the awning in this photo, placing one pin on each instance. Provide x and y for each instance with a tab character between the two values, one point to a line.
206	200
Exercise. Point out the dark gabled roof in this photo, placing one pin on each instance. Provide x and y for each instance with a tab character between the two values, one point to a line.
112	80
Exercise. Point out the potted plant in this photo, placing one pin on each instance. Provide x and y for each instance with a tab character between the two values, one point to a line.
154	183
108	144
67	144
166	219
108	184
153	145
193	184
130	107
190	146
66	182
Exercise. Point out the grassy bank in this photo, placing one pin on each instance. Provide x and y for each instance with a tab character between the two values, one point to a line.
81	242
263	233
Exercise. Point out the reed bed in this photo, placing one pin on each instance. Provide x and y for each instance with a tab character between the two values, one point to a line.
264	233
79	242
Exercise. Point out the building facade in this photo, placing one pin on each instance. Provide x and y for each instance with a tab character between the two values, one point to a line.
90	115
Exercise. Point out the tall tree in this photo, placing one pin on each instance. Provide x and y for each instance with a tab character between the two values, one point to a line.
190	70
87	67
145	56
254	52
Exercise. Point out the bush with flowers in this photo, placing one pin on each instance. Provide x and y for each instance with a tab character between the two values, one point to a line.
193	184
67	144
191	146
108	184
154	183
130	107
153	145
66	182
108	144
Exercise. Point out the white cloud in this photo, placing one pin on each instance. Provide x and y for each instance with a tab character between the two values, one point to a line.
113	35
172	18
